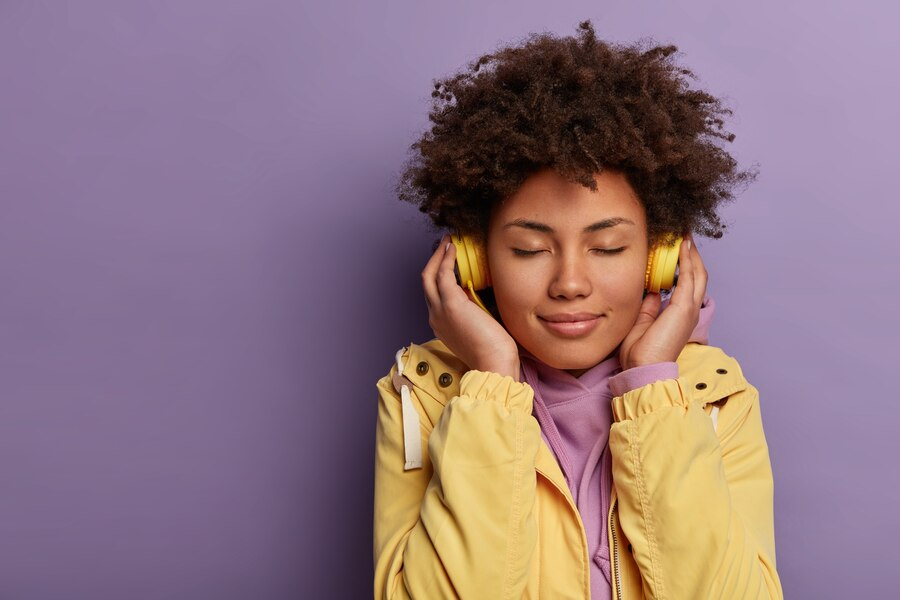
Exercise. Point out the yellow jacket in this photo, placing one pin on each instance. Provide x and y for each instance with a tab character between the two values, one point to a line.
488	514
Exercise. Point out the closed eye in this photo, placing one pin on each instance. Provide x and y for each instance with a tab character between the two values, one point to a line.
521	252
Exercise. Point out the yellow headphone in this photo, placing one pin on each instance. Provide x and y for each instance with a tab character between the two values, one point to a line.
471	261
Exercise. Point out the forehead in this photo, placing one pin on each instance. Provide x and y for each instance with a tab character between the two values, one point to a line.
549	198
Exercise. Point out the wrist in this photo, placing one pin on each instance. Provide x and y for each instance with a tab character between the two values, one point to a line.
639	376
503	365
645	362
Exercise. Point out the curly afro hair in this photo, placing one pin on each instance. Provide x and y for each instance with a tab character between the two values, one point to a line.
577	105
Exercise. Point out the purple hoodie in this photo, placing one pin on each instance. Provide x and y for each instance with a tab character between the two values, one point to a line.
575	416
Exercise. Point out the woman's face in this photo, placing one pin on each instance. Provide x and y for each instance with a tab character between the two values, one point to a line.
564	289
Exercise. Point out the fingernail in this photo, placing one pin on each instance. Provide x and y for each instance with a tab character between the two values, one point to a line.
447	247
689	244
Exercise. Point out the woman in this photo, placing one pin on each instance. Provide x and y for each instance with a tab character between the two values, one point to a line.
583	440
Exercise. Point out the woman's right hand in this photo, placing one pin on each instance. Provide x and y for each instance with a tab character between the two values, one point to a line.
470	333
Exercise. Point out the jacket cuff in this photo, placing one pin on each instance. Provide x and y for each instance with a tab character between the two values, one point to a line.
487	385
635	377
646	399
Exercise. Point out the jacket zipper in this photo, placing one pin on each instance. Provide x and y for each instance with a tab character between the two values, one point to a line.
615	538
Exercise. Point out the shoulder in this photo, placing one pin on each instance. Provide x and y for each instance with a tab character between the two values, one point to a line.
710	373
436	355
432	371
714	379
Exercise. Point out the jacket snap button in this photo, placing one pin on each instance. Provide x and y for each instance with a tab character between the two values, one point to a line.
445	379
422	368
701	386
721	371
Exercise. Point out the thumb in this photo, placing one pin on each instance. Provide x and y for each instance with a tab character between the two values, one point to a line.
649	311
646	317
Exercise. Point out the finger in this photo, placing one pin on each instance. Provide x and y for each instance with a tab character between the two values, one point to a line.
701	275
684	290
429	273
447	286
435	259
649	309
648	312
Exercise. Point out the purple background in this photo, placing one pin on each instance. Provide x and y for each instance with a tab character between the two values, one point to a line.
205	271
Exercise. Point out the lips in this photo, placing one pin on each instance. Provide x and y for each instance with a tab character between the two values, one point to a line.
569	317
571	325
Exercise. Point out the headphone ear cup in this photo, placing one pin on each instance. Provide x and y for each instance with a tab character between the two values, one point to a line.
481	260
471	260
661	264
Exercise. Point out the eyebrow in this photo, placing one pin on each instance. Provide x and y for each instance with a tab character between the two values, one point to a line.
535	226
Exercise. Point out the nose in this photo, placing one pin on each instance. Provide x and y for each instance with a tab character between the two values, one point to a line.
570	279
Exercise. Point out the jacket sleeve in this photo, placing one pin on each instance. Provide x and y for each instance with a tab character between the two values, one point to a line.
695	503
463	525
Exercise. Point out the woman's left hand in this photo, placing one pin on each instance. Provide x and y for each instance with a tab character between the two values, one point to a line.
660	337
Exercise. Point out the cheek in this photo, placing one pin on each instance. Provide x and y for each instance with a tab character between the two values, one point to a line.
516	289
626	300
626	286
626	291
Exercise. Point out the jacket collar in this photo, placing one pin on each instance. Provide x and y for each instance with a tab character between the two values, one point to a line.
707	371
